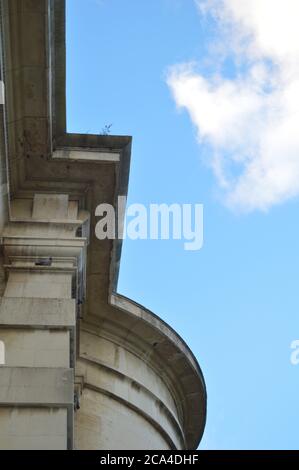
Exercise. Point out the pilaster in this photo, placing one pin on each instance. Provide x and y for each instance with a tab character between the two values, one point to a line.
44	264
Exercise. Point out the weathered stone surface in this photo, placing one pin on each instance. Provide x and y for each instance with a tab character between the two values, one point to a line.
50	206
36	312
33	428
36	386
36	348
139	384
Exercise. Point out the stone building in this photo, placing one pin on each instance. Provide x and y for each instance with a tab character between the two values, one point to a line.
85	368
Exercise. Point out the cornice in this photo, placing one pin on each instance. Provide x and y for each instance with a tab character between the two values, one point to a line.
44	158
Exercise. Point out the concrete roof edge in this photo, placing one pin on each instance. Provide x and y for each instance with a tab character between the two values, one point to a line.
57	59
63	139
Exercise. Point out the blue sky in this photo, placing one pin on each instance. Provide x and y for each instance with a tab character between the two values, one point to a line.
201	134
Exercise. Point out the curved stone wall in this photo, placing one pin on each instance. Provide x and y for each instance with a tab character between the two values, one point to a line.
134	396
124	403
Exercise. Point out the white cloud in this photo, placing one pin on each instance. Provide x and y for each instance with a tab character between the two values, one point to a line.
250	121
